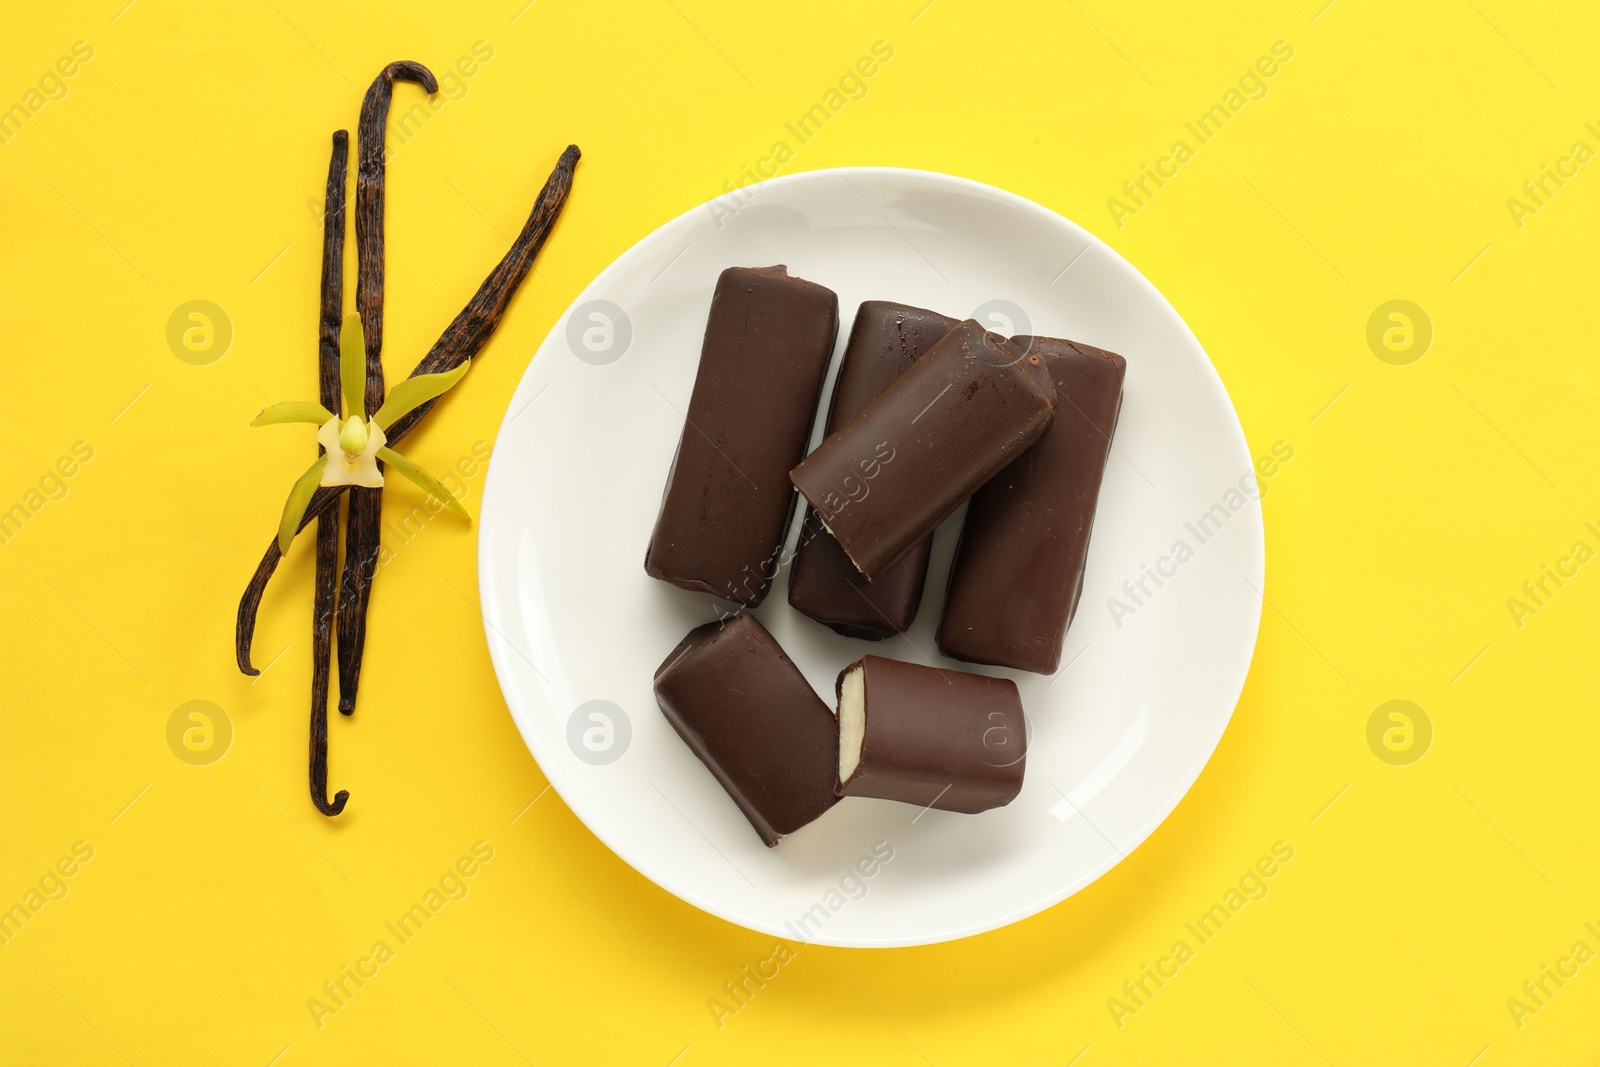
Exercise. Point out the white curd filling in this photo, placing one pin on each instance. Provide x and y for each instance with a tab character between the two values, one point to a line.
852	721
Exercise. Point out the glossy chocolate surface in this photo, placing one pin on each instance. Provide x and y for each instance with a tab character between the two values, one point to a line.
744	708
728	500
901	465
1018	572
885	341
937	738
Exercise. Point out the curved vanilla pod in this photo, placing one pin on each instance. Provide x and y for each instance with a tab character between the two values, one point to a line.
327	525
365	510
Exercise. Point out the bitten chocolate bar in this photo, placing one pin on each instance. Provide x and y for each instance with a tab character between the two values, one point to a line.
728	500
886	340
934	738
1018	572
908	459
744	708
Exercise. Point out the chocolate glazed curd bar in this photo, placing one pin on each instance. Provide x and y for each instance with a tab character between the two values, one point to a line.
934	738
885	341
902	464
728	500
1018	571
744	708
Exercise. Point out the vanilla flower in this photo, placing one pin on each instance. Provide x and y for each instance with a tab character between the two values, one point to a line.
351	445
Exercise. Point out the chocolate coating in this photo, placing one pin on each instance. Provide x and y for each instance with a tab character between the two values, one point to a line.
744	708
903	463
1018	572
936	738
728	500
885	341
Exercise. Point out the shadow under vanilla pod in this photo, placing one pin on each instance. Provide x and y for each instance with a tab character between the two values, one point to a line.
352	446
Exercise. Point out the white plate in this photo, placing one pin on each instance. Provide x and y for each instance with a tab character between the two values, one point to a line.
576	629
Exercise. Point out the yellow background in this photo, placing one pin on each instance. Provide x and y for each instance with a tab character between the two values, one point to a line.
179	166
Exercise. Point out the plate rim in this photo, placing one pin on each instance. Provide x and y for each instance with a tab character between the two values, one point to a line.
488	596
